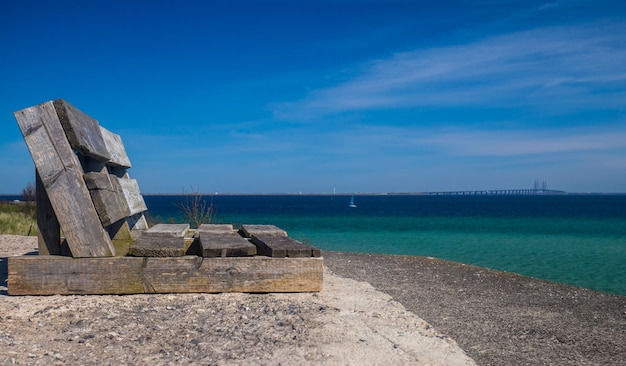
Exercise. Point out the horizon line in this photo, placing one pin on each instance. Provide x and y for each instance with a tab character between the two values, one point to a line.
415	193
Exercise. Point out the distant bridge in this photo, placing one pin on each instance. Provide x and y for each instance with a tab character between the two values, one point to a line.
500	192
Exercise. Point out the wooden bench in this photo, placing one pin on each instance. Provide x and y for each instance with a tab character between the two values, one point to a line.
84	192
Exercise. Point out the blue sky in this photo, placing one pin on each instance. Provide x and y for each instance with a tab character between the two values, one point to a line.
307	96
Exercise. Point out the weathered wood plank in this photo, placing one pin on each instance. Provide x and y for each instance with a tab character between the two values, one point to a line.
216	228
62	177
92	165
137	222
83	132
133	196
49	275
225	244
49	239
280	247
107	196
158	244
115	148
121	237
178	230
250	230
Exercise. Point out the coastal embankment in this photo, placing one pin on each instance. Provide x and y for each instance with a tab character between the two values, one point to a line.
498	318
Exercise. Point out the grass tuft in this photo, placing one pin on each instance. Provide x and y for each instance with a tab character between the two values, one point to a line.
18	218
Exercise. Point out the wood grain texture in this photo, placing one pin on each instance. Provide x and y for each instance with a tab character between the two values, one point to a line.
137	222
250	230
49	238
280	247
107	196
83	132
121	237
115	149
133	196
225	244
174	229
216	228
62	177
158	244
49	275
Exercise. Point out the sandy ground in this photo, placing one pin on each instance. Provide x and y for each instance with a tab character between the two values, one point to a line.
348	323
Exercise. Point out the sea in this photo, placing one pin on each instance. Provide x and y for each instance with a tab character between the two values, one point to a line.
572	239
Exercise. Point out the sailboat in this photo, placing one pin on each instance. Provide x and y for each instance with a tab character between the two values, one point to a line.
352	202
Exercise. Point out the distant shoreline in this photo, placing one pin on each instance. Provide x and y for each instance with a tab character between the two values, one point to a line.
362	194
11	197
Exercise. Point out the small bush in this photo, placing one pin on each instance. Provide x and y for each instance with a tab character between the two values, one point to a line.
196	210
29	192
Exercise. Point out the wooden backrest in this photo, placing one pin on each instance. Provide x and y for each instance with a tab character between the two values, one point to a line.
83	186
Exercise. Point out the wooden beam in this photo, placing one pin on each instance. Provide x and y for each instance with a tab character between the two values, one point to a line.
107	196
49	275
158	244
216	228
49	239
282	246
137	222
62	177
174	229
115	148
250	230
225	244
83	132
133	195
121	237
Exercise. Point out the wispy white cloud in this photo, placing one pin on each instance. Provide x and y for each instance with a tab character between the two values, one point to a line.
576	67
463	142
509	143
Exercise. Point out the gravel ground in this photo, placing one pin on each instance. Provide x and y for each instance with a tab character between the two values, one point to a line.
498	318
348	323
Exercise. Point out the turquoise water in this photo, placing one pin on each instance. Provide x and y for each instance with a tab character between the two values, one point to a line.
573	239
578	240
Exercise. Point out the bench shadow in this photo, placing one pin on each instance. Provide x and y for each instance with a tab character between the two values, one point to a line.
4	272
